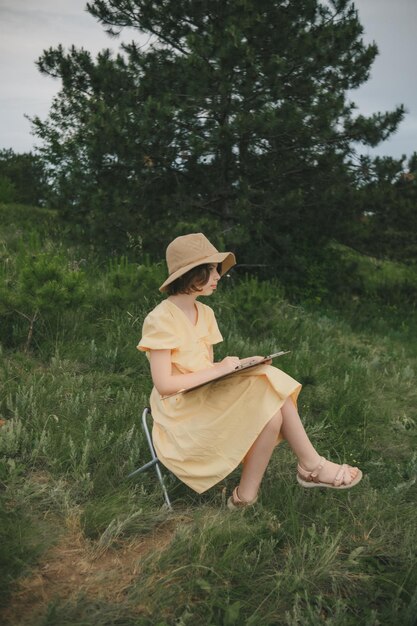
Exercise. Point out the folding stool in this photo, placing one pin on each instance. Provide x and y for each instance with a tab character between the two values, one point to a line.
155	461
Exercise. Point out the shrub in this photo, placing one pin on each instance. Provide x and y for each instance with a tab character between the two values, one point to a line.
37	288
7	190
126	283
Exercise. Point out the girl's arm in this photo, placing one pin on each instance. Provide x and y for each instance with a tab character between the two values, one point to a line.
166	382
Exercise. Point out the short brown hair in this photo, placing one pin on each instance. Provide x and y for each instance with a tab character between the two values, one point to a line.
191	281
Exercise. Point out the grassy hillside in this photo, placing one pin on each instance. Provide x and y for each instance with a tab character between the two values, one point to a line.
80	544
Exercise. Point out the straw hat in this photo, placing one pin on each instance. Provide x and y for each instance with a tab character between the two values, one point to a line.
188	251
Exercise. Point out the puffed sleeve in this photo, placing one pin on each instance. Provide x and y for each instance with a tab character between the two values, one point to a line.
159	332
214	335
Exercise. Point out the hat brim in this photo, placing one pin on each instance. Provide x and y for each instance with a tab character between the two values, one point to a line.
227	259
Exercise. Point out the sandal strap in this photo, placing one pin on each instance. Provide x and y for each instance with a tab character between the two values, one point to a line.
235	496
237	501
313	475
339	478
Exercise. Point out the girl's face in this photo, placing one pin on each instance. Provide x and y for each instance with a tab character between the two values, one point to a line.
211	284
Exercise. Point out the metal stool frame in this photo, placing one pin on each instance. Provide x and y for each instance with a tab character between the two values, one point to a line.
155	462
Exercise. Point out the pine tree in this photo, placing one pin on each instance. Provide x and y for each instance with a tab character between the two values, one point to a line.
386	206
233	119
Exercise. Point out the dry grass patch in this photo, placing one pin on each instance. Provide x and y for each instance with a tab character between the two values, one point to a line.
75	566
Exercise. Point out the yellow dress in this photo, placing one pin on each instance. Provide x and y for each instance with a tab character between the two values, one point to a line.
203	435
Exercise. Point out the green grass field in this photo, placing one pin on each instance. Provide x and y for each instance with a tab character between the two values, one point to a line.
80	545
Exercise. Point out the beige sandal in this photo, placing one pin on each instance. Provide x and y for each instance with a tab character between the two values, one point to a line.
234	502
310	479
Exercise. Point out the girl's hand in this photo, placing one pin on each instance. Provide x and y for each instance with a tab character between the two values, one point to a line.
254	359
228	364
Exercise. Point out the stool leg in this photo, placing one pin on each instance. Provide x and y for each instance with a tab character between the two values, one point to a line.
155	459
143	468
164	490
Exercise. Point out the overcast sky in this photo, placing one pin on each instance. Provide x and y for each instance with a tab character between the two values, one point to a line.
27	27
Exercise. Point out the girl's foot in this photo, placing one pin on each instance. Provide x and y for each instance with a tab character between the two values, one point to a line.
328	474
235	502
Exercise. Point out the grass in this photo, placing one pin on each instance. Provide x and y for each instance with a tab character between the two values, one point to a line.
81	545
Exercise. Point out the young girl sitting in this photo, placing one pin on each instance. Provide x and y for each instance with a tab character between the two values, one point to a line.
203	435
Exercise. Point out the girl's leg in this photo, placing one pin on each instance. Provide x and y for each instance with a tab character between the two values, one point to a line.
293	431
288	422
308	457
257	459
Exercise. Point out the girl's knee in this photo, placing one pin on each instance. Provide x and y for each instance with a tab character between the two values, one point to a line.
275	423
288	403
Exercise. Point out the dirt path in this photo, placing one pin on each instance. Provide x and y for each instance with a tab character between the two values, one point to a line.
76	565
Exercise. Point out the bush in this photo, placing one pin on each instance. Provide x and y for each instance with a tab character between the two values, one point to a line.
37	288
126	284
7	190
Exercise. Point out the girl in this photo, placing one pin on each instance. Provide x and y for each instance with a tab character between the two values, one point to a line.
203	435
